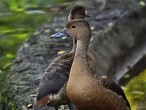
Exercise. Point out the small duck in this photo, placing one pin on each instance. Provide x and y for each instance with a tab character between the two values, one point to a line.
84	88
52	88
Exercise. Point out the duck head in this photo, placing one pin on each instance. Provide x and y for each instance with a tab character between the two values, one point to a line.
79	29
78	12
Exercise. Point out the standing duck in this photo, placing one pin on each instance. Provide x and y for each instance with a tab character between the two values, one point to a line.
84	89
51	89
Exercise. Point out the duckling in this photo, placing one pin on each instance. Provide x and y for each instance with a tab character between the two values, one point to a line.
84	88
52	90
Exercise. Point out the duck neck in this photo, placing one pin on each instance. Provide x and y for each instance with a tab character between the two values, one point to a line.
81	49
74	45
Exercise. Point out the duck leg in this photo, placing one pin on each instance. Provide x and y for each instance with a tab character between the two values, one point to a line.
59	98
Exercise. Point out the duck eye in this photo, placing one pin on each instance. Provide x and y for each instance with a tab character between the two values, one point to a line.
73	26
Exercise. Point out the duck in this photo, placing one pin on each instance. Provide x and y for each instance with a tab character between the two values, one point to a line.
52	87
85	89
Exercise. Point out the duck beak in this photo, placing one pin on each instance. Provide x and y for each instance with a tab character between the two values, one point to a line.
62	33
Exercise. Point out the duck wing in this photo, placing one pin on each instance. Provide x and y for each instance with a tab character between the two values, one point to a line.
55	75
114	87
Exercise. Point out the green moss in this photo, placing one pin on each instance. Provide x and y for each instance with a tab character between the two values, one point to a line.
2	80
8	99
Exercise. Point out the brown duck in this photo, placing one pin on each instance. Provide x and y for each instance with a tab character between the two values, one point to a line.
84	89
52	86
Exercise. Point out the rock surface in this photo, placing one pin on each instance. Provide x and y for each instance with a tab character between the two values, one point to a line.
118	30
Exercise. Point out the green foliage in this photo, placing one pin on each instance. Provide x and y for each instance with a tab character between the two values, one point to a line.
22	5
136	92
18	21
14	30
15	5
